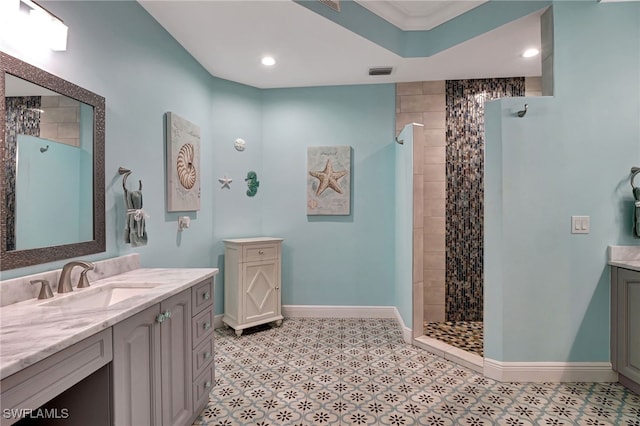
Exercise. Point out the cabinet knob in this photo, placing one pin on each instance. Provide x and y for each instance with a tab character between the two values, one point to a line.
167	314
207	384
260	251
206	296
206	325
160	318
207	355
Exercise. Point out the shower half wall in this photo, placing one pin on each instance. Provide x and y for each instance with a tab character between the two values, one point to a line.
443	159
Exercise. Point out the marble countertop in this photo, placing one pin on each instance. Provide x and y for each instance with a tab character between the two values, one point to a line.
627	257
634	265
30	332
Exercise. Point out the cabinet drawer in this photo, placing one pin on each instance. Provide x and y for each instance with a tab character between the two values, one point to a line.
202	357
253	253
201	388
201	296
202	327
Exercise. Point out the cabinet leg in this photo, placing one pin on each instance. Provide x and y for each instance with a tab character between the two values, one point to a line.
226	326
278	323
238	333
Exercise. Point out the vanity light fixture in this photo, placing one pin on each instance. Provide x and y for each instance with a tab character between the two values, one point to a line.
530	53
268	61
26	18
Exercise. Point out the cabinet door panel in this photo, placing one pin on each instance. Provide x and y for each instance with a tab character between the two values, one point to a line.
629	324
260	292
136	369
176	360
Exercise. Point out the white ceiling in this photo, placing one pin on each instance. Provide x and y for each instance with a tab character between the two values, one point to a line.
229	37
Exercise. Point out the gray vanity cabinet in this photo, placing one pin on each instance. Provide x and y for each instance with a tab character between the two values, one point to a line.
152	358
625	333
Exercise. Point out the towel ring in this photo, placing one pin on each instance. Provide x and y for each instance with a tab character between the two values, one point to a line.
635	171
126	173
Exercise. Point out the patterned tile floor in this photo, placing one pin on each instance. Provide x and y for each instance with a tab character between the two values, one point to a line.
360	372
466	335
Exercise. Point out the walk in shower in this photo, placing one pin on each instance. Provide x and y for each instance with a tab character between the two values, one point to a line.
452	213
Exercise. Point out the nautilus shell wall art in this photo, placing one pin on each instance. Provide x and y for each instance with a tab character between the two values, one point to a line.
183	164
187	172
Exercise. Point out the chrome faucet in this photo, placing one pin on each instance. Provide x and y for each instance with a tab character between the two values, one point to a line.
64	285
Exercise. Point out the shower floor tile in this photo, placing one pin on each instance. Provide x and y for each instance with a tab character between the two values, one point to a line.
466	335
334	372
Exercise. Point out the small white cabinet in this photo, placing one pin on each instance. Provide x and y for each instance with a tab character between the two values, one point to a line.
252	282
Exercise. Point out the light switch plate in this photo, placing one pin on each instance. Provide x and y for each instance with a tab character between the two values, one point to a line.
580	224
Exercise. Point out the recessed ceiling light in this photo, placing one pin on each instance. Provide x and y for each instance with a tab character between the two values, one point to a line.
530	53
268	61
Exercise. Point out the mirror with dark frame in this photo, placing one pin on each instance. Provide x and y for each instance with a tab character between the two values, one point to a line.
51	167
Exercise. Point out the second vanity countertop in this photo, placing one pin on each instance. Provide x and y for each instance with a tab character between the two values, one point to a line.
30	332
634	265
627	257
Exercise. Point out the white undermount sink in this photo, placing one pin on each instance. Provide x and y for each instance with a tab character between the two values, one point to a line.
99	297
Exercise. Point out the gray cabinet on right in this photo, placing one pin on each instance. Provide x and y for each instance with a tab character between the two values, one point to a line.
625	326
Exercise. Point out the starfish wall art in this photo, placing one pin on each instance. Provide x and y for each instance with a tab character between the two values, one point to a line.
329	180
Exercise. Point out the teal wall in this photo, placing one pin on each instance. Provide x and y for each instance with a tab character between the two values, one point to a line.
547	296
331	260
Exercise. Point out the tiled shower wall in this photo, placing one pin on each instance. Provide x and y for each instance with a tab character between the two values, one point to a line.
425	102
464	276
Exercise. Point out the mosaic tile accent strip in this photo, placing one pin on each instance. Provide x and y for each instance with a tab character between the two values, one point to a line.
23	117
465	190
466	335
314	371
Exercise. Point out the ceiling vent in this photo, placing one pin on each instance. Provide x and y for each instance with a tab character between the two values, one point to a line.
333	4
380	70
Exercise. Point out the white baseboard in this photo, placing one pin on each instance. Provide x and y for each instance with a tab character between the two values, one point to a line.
549	371
407	335
332	311
466	359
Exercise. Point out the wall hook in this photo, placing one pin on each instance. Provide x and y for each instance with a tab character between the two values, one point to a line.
126	173
524	111
44	149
